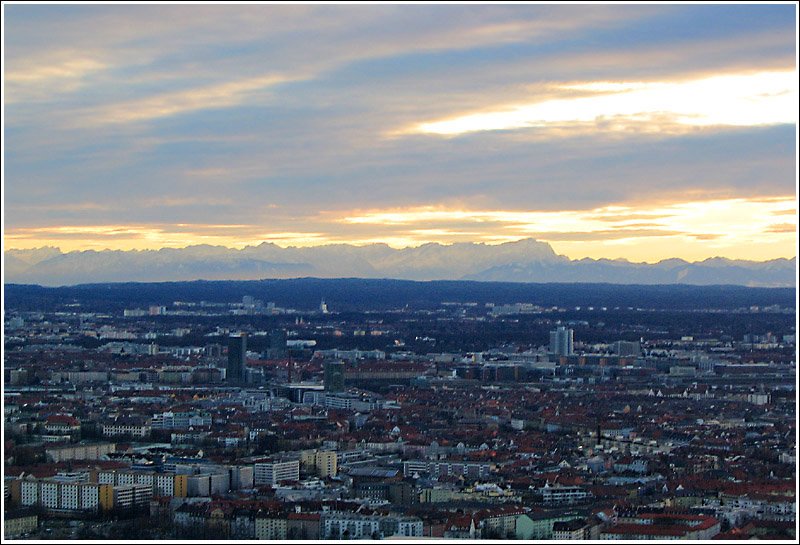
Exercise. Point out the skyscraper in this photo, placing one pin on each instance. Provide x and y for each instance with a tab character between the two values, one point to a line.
237	350
333	376
561	342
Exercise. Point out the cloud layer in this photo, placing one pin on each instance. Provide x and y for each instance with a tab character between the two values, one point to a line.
762	98
149	126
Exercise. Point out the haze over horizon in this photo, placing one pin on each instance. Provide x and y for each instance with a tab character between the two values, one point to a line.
637	132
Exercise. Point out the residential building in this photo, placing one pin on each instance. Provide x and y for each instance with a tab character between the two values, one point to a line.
303	526
271	526
56	496
662	526
125	427
322	462
575	529
94	451
132	496
17	523
347	525
161	484
563	495
474	470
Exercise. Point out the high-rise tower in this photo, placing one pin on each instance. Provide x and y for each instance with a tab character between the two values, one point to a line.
237	350
333	376
561	342
277	343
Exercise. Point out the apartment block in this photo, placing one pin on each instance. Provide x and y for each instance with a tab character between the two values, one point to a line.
57	496
322	462
161	484
271	527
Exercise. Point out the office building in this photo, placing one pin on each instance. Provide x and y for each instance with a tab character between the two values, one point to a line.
333	376
272	473
277	343
237	351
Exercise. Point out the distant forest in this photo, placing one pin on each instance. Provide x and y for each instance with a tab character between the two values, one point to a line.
353	294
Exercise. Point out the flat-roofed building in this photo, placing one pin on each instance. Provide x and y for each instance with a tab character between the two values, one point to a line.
237	352
132	496
161	484
53	495
273	472
563	495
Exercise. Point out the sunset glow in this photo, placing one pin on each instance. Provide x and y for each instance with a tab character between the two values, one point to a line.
696	230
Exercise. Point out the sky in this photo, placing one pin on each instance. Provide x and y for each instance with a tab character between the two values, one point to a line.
640	132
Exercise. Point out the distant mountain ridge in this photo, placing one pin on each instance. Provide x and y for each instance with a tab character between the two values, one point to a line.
526	260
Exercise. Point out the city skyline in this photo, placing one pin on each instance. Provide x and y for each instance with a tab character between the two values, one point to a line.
638	132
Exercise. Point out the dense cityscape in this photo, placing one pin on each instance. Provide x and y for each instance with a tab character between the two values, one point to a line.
249	419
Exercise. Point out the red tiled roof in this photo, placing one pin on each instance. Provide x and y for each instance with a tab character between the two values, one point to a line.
735	534
498	512
646	529
459	523
303	516
63	419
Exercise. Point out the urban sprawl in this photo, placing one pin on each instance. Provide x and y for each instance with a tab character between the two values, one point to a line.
245	420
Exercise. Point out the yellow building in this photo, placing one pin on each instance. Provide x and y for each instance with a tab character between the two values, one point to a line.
181	486
105	494
323	462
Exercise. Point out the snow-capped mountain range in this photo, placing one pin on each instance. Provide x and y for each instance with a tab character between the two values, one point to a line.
522	261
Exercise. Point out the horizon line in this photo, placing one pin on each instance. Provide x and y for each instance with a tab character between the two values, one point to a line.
392	279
